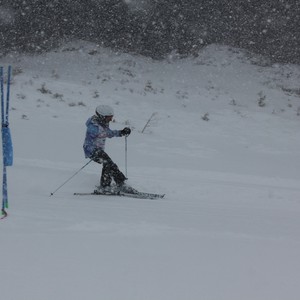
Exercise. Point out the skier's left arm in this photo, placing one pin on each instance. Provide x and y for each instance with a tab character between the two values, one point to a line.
108	133
116	133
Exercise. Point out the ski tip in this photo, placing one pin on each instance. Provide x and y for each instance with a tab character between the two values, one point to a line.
155	197
4	214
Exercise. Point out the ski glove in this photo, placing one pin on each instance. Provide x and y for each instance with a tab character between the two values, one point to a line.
126	131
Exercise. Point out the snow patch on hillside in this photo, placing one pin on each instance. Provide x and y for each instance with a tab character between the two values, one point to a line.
223	144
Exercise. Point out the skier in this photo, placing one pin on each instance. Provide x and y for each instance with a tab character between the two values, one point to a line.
97	132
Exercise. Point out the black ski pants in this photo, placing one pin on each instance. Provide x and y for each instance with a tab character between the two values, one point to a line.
109	170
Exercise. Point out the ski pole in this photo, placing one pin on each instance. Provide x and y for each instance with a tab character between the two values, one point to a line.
126	155
70	178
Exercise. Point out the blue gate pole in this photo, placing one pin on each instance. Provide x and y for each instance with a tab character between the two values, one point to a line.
6	137
4	178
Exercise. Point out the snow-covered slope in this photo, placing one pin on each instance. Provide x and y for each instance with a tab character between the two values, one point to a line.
223	144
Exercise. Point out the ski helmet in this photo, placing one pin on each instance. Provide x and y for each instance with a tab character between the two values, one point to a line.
104	111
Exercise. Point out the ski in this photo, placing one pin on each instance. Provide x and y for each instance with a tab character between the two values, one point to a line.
138	195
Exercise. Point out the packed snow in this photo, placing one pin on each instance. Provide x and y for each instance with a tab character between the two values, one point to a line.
222	142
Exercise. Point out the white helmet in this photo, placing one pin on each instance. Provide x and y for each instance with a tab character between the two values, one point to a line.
104	111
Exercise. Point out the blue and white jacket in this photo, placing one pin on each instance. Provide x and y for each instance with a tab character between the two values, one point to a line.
96	134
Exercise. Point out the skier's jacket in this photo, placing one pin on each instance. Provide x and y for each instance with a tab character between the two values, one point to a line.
96	134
